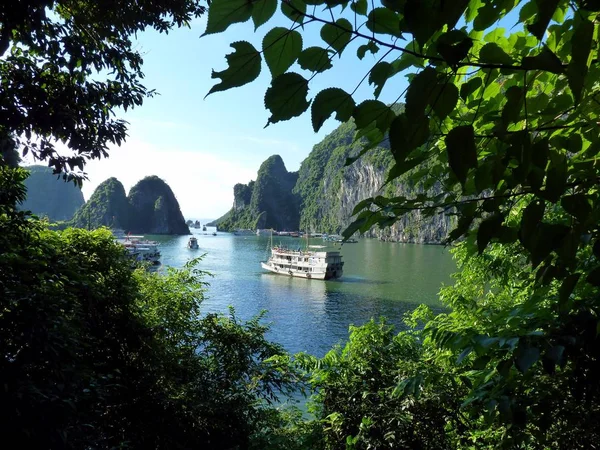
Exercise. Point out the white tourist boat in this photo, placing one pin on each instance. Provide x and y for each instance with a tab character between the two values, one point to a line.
312	263
141	249
193	243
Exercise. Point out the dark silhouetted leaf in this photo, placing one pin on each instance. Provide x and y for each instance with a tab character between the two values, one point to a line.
444	99
526	357
363	49
514	103
359	7
566	289
379	75
315	59
329	101
223	13
577	205
286	98
281	48
545	60
384	21
420	91
244	67
262	11
338	35
469	87
532	217
578	66
545	12
420	20
491	53
294	10
373	111
556	178
406	134
488	229
462	152
594	277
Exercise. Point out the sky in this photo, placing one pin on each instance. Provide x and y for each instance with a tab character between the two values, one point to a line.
202	146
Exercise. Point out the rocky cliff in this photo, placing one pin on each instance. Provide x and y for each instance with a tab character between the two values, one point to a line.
326	192
106	207
49	195
268	202
154	208
151	208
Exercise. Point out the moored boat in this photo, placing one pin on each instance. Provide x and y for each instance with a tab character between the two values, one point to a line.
140	249
193	243
314	264
240	232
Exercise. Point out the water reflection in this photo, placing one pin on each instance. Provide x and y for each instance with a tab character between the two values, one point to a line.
380	279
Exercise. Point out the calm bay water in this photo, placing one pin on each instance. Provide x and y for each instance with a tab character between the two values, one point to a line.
380	279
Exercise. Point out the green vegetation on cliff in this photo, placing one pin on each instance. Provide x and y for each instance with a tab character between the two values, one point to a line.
49	196
267	202
154	208
106	207
151	207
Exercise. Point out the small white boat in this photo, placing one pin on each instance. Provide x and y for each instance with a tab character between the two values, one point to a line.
320	265
193	243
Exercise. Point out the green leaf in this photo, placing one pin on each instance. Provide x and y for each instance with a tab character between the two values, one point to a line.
578	66
338	35
469	87
406	134
315	59
294	10
577	205
528	11
373	111
329	101
286	98
526	357
379	75
262	11
394	5
546	9
462	152
546	60
223	13
370	46
420	91
384	21
444	99
281	48
359	7
244	67
488	229
491	53
487	15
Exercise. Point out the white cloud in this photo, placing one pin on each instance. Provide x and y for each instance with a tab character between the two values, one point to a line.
202	181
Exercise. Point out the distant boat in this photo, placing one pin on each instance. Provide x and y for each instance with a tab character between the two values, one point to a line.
193	243
140	249
214	233
204	228
197	224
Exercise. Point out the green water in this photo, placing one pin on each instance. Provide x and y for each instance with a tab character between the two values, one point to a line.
380	279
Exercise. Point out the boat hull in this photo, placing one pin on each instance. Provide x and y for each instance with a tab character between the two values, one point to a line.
301	274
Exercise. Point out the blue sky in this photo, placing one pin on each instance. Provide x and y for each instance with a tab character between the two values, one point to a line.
202	147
